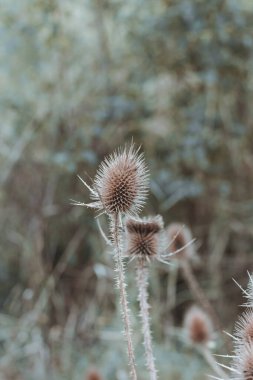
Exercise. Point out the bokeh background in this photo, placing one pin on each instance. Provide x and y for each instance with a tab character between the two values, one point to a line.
78	79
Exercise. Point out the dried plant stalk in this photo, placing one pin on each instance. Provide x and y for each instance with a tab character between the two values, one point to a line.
198	293
142	283
119	266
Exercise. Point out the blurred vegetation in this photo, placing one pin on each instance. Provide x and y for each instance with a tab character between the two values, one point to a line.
77	79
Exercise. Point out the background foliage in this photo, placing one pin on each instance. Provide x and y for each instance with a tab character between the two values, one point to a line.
77	79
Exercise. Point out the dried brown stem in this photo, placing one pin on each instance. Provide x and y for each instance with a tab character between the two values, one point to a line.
199	294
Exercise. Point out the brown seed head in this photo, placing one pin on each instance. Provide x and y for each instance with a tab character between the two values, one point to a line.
198	325
93	374
179	236
121	182
143	236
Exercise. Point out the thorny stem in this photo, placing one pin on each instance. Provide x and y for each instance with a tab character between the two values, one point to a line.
123	296
142	283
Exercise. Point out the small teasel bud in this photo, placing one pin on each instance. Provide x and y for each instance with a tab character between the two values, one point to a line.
180	241
198	326
143	237
93	374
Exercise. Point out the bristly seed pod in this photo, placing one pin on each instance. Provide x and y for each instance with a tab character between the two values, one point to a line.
121	183
180	238
143	237
198	326
242	367
244	328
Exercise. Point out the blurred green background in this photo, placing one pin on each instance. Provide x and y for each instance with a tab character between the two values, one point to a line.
77	79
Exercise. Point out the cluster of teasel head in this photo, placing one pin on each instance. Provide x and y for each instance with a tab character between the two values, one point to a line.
119	190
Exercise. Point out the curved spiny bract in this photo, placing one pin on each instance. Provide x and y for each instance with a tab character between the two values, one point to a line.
248	293
179	237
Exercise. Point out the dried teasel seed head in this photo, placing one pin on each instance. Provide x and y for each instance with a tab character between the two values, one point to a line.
244	329
242	367
93	374
198	325
180	238
121	182
143	237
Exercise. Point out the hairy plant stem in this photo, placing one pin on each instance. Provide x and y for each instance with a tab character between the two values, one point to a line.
142	283
123	294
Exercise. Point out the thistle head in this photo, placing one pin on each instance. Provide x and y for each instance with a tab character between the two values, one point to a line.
121	183
198	326
180	241
143	237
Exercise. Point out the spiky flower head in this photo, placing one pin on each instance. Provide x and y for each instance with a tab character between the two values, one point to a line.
121	183
244	329
198	326
143	237
180	241
242	367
